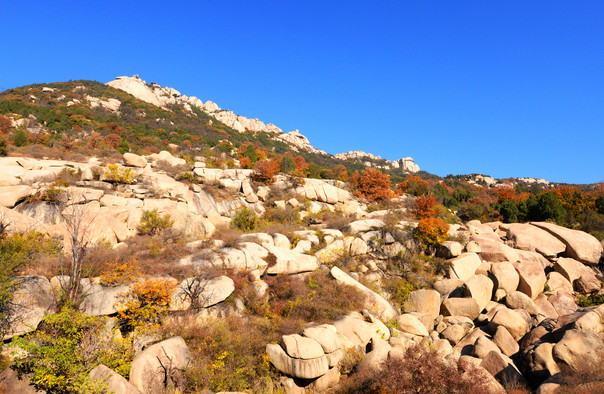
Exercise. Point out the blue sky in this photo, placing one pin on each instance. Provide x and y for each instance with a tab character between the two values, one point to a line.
509	89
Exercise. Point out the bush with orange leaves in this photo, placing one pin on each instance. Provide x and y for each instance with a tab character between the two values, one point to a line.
414	185
144	304
265	171
425	206
431	233
371	184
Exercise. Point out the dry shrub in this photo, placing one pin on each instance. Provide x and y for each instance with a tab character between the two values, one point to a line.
120	272
335	220
419	371
229	236
318	298
583	378
155	254
229	354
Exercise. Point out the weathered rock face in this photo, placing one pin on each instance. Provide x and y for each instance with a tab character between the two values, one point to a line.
32	300
512	321
465	265
579	245
424	301
132	160
578	349
533	239
10	195
154	368
467	307
297	367
113	381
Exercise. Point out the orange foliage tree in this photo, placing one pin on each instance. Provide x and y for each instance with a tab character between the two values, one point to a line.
371	184
302	168
265	171
426	206
5	124
431	232
413	185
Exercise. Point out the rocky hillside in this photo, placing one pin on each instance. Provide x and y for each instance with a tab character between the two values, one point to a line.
150	242
207	279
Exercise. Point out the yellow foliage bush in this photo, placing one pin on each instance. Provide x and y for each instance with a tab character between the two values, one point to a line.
119	174
120	273
143	306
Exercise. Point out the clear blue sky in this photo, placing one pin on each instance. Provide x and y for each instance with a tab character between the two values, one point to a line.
508	88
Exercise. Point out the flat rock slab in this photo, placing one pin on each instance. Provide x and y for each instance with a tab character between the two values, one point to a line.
579	245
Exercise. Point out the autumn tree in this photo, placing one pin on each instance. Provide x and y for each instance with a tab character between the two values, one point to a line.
431	233
301	167
265	171
413	185
5	124
426	206
371	184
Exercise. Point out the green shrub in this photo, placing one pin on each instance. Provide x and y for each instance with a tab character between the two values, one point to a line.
152	223
66	346
17	250
591	300
123	147
244	219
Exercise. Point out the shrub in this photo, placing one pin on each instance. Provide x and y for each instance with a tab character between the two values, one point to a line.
17	250
431	232
318	298
120	272
66	346
419	371
3	146
244	219
19	138
123	147
413	185
371	184
152	223
117	174
509	211
143	306
228	354
399	290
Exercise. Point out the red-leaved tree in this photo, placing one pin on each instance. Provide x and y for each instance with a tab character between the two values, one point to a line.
371	184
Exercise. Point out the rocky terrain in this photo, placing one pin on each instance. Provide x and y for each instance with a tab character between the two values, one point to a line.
150	242
506	303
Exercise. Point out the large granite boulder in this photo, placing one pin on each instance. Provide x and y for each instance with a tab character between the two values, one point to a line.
156	367
579	245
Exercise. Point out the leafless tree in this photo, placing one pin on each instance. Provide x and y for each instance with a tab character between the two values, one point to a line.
78	222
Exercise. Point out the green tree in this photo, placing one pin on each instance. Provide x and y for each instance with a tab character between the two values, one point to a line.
546	206
287	164
123	147
509	211
20	138
600	204
250	153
